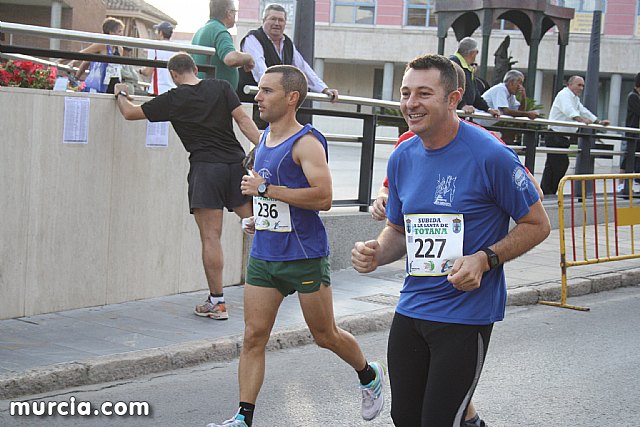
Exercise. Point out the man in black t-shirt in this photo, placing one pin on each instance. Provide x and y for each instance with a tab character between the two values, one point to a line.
201	112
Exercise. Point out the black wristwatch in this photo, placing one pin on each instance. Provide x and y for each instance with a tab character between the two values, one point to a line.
494	261
262	189
125	94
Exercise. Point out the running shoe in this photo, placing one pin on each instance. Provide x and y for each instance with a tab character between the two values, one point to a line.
214	311
236	421
372	393
475	422
635	188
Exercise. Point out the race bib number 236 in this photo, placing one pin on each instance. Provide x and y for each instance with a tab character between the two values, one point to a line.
271	215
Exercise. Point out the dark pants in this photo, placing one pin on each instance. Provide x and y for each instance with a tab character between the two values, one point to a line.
556	165
434	368
629	163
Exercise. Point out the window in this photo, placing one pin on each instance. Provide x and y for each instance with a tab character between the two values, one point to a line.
378	77
638	19
289	6
502	24
583	19
583	6
354	12
420	13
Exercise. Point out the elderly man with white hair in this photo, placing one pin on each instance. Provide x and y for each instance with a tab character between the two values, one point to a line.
502	96
268	45
471	100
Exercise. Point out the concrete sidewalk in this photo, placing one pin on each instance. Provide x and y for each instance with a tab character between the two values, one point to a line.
101	344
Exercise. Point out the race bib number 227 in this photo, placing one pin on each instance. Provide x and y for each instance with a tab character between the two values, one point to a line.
434	242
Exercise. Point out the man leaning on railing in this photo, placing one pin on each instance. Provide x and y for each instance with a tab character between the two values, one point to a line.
632	121
566	107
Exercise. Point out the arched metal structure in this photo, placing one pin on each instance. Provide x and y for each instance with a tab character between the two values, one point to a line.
532	17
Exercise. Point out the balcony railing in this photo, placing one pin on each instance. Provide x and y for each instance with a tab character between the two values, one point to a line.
532	131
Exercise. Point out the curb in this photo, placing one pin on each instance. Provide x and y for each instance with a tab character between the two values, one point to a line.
135	364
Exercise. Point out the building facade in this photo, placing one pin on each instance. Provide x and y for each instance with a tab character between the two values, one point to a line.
138	16
81	15
362	46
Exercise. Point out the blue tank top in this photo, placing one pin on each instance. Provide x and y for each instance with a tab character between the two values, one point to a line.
308	237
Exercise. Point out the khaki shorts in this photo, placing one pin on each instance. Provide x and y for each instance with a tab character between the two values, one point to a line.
303	275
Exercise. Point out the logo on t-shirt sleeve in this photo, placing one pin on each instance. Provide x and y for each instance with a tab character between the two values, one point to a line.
520	178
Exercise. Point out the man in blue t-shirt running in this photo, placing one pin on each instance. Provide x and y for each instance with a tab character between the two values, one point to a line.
452	191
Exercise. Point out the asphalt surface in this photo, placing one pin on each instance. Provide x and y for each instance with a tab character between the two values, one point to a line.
545	367
101	344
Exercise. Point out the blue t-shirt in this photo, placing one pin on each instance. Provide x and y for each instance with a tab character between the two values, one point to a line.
474	175
308	237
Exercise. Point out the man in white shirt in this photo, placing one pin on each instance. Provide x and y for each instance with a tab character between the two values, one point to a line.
502	97
566	107
268	45
160	78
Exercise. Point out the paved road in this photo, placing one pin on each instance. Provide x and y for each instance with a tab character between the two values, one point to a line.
546	367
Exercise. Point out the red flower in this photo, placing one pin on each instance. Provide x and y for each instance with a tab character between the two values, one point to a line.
28	66
27	74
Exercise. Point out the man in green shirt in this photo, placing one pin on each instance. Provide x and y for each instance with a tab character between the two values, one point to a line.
214	34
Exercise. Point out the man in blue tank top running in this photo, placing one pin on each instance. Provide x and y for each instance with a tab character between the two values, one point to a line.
290	182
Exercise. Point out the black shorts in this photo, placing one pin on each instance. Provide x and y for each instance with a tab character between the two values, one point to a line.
215	186
434	369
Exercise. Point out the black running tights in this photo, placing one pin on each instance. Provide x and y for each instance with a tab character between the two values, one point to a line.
433	369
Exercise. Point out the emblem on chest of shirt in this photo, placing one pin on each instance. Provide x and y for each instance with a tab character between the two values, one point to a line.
266	174
445	190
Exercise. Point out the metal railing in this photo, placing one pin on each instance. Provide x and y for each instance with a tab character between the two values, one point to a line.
57	33
63	34
607	240
20	57
532	130
356	100
68	69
